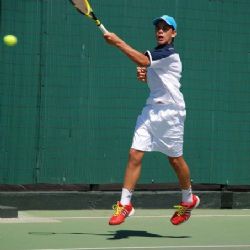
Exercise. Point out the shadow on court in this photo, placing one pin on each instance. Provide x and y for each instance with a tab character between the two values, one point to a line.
125	234
118	235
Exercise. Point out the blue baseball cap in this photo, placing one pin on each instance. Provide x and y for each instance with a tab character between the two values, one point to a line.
168	19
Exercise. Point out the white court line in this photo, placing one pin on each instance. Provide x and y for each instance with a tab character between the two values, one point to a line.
28	219
152	247
25	218
150	216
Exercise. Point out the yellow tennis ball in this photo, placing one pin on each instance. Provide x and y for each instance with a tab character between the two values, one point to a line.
10	40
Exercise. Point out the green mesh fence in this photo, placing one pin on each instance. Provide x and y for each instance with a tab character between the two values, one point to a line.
69	102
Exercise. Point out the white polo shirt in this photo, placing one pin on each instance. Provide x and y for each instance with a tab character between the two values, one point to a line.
163	77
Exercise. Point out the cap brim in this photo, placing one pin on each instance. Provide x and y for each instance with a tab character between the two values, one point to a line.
155	21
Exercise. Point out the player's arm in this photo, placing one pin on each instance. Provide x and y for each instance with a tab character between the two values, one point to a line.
136	56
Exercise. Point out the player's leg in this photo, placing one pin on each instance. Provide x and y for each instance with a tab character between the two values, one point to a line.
141	142
133	169
182	171
124	208
189	201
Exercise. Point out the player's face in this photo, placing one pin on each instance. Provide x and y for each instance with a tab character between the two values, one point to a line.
164	33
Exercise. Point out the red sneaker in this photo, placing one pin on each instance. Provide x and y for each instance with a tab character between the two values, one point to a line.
121	213
184	211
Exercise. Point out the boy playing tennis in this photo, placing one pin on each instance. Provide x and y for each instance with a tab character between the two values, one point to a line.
160	127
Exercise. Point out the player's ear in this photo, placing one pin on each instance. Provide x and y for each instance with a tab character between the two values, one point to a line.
174	33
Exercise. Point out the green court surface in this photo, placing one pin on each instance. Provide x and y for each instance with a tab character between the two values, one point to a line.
148	229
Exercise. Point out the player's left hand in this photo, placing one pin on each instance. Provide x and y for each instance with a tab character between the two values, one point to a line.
141	74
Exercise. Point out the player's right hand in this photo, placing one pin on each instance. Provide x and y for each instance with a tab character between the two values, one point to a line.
112	38
142	74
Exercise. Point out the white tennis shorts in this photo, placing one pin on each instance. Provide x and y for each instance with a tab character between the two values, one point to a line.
160	128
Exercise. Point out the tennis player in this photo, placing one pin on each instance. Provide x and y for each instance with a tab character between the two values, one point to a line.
160	126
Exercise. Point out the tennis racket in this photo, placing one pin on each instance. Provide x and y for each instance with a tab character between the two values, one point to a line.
84	8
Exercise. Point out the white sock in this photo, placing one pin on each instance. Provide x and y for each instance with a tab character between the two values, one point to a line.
126	196
187	195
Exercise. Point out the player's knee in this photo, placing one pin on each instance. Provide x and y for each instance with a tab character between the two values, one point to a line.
135	157
175	162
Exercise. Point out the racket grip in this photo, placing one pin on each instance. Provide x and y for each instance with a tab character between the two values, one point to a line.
103	29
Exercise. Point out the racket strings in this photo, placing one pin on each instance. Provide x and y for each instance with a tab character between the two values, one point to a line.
83	6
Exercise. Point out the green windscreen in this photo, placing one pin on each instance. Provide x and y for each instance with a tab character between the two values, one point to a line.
69	101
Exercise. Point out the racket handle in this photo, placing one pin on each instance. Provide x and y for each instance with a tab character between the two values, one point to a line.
103	29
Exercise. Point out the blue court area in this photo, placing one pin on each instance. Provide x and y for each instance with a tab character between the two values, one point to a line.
148	229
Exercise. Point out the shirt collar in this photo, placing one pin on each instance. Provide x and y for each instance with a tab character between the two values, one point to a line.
165	46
